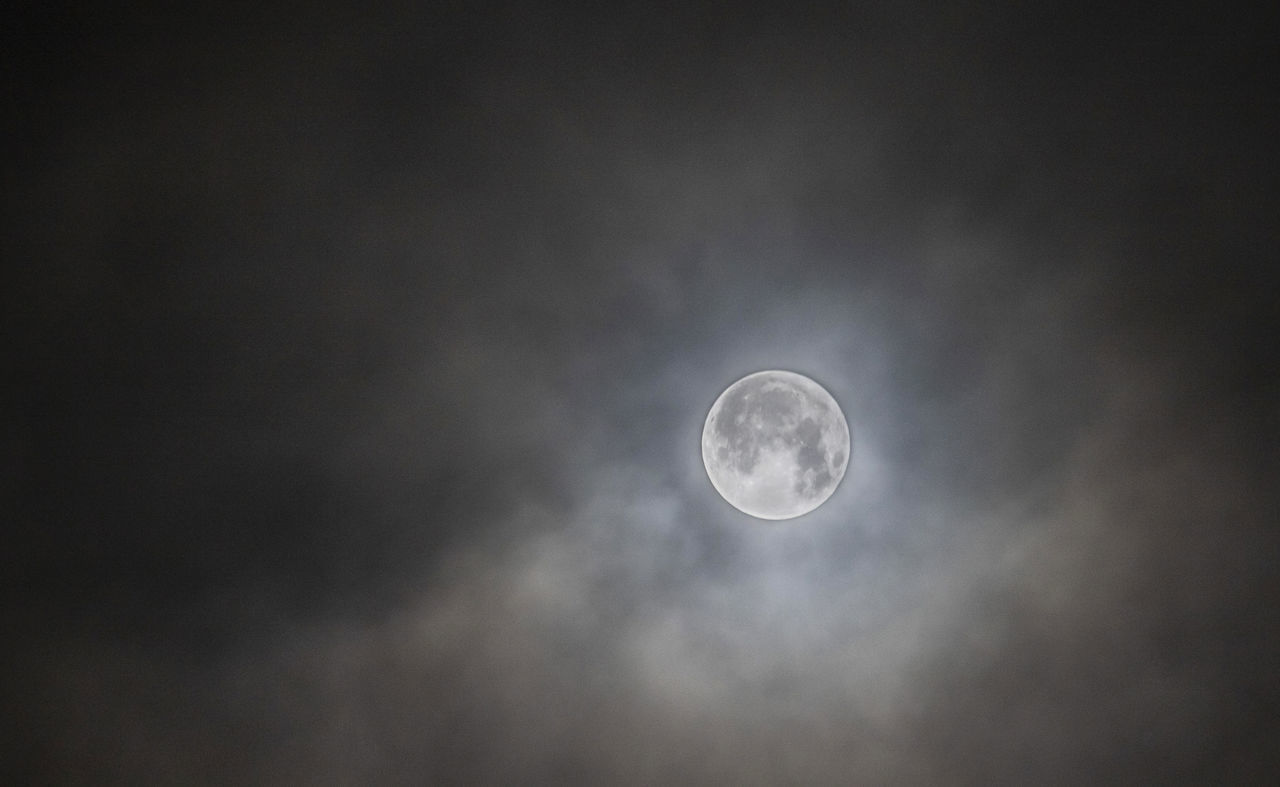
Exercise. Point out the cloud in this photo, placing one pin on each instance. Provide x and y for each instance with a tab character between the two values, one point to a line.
393	475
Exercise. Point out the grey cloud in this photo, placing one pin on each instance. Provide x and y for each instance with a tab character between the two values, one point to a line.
361	444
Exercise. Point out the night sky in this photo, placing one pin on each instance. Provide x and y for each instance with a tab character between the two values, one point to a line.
358	359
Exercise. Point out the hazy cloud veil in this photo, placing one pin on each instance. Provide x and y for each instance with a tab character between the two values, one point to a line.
365	361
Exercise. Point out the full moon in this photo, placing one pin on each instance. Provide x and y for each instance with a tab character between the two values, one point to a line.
775	445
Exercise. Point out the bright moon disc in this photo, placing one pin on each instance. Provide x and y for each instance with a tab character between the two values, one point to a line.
775	445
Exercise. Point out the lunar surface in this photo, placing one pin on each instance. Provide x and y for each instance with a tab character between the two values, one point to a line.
775	445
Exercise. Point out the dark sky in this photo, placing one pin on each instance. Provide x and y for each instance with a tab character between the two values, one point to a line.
358	361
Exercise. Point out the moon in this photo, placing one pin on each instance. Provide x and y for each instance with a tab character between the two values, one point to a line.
775	445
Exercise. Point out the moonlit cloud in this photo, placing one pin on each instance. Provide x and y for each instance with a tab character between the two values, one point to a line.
365	362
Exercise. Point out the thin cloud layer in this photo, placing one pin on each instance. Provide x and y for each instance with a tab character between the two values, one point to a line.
367	366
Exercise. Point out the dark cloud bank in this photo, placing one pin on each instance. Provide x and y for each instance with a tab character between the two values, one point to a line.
359	361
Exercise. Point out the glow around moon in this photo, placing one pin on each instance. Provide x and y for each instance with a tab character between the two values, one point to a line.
775	445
